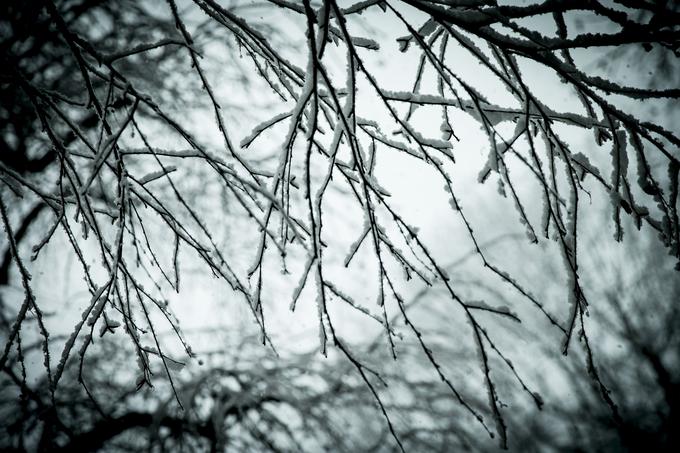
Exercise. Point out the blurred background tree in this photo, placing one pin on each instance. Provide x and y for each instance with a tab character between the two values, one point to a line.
635	339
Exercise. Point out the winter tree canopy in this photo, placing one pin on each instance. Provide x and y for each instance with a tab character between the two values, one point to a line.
302	225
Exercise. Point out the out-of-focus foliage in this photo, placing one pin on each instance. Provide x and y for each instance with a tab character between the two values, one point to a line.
241	398
636	339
